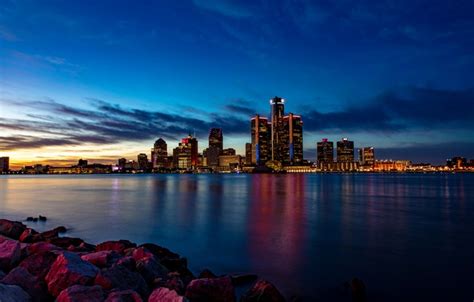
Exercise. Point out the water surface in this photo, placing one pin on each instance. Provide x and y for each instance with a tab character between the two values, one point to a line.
408	236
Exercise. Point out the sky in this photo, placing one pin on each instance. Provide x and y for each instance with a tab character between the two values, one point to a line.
104	79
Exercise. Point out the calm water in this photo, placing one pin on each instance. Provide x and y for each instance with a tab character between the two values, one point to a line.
409	237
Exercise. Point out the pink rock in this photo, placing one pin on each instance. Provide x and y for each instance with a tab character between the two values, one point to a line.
263	291
29	283
40	247
28	235
128	262
150	269
39	264
80	293
118	246
69	269
65	242
13	293
159	251
10	253
119	277
141	252
102	258
163	294
11	229
124	296
211	289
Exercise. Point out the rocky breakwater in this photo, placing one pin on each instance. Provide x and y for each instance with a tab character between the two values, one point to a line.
48	267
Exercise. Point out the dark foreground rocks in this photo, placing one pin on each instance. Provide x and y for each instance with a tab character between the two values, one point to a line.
44	266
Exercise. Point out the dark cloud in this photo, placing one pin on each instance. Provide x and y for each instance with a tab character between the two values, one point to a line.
239	109
405	109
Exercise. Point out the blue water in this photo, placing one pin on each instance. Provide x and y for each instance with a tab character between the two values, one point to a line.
407	236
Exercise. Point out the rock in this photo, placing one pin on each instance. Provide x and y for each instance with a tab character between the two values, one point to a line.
29	218
119	277
128	262
140	253
175	264
13	293
11	229
2	274
10	254
211	289
118	246
102	258
263	291
54	233
159	251
163	294
40	247
243	279
28	235
69	269
65	242
35	219
80	293
206	273
358	290
150	269
42	218
39	264
29	283
124	296
174	282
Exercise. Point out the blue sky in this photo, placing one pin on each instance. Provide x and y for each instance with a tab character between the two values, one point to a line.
103	79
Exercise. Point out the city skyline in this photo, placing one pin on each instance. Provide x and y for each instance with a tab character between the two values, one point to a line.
82	80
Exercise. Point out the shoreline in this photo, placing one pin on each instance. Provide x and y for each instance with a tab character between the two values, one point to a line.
48	266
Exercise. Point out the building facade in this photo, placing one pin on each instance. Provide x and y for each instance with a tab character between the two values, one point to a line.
216	146
367	156
143	164
185	156
159	154
345	151
325	153
4	164
260	137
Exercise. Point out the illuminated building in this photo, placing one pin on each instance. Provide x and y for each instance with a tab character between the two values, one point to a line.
345	151
325	153
229	162
391	165
4	164
366	156
159	154
260	132
143	163
228	151
121	163
291	140
185	156
277	106
215	147
248	154
457	162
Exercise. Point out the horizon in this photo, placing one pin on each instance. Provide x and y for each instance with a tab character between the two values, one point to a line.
101	81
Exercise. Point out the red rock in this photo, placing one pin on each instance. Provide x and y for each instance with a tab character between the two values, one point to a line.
159	251
119	277
211	290
28	235
69	269
13	293
54	233
11	229
140	253
102	258
124	296
29	283
263	291
10	254
40	247
174	282
65	242
118	246
150	269
163	294
128	262
39	264
81	293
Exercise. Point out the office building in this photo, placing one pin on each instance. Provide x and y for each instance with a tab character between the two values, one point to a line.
142	160
291	140
248	154
345	151
367	156
159	154
325	152
260	137
4	164
185	156
215	148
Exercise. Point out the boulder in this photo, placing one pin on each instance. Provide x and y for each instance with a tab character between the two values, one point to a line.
13	293
42	218
358	290
69	269
119	277
211	289
206	273
173	281
39	264
263	291
118	246
163	294
54	233
150	269
124	296
40	247
140	253
129	262
28	235
65	242
102	258
29	283
11	229
10	254
159	251
80	293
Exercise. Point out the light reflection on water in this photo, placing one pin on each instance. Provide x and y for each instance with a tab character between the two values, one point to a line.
406	236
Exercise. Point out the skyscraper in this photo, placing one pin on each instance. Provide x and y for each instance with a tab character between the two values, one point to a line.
185	156
325	152
366	156
260	132
277	106
142	160
4	164
159	154
291	140
345	151
248	154
215	147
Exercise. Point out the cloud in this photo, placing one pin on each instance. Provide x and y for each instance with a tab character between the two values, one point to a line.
399	110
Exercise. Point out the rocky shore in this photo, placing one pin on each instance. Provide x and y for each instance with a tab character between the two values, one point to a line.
49	267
